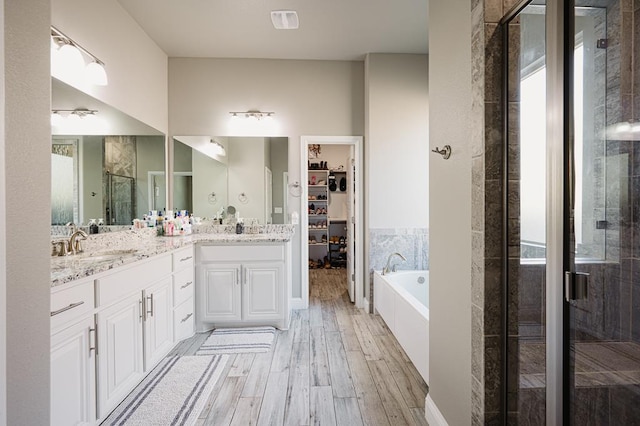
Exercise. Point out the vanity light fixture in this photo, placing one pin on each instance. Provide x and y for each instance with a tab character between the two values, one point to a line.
69	54
218	148
58	116
258	115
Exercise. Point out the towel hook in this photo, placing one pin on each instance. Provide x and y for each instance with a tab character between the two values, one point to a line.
445	151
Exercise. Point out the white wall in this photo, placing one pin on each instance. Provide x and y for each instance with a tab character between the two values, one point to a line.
397	154
308	97
134	63
26	246
450	210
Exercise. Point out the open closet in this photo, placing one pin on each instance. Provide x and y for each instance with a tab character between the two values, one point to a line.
330	202
331	217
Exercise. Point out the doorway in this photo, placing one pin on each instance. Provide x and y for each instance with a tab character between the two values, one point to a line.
331	211
574	281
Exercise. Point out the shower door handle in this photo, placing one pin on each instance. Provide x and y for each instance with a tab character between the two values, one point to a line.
576	286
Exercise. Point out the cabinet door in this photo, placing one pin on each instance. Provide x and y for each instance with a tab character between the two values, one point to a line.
120	357
73	374
158	317
263	290
220	297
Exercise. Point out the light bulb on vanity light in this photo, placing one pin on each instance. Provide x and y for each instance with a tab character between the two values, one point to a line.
96	74
69	60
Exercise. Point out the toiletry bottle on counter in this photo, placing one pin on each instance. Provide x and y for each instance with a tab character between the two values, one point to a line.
159	225
239	228
93	226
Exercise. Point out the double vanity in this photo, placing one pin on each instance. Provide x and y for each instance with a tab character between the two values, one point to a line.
123	304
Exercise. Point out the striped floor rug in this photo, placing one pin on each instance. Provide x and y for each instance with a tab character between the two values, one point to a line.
238	340
174	393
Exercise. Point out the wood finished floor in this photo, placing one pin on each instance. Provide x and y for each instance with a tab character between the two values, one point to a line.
336	365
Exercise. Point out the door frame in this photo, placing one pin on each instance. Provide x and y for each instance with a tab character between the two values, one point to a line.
356	142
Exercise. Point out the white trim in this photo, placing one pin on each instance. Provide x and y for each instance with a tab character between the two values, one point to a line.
356	142
366	305
432	414
297	303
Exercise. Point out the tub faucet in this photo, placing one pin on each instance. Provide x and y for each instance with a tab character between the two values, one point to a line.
388	267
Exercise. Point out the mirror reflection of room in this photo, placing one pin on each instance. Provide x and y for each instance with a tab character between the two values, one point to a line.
106	167
246	173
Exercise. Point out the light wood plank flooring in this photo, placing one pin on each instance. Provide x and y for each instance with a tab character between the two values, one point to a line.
336	365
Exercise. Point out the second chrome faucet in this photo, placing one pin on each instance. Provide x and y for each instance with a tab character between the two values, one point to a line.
388	268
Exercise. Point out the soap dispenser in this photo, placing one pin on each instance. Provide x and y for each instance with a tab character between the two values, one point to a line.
93	226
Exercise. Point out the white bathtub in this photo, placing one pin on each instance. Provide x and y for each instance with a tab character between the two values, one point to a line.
403	302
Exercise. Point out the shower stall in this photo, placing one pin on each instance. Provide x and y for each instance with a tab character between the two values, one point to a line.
571	243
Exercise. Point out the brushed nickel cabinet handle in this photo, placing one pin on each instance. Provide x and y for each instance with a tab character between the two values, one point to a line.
186	285
66	308
95	339
184	259
150	299
186	318
142	307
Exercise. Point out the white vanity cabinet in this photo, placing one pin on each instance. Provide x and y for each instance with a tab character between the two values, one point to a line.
135	326
121	353
183	290
158	322
243	285
73	358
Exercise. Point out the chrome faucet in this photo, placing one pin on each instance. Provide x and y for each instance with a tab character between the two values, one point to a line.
74	243
388	267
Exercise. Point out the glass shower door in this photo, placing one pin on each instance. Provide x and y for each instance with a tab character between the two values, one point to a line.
120	199
603	295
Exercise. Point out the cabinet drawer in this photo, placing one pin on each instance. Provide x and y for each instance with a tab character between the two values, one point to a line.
71	303
117	285
229	253
183	259
183	284
183	320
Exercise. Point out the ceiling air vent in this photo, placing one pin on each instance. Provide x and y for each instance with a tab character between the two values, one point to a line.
284	19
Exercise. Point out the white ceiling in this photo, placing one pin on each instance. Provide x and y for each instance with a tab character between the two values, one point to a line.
329	29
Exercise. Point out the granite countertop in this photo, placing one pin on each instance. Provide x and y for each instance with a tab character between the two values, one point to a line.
104	252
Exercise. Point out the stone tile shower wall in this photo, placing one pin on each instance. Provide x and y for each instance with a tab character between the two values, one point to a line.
412	243
120	158
613	306
486	220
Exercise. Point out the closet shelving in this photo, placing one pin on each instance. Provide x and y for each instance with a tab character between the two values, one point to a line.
318	204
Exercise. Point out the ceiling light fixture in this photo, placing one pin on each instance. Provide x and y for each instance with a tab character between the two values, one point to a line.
258	115
69	57
218	148
285	19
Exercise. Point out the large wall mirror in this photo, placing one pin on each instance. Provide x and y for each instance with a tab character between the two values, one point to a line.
249	174
104	165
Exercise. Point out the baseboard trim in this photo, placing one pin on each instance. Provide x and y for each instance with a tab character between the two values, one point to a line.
433	415
297	303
